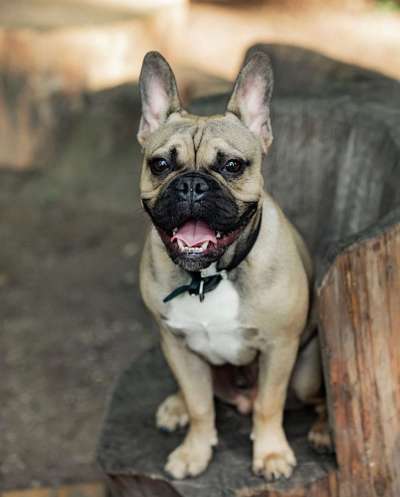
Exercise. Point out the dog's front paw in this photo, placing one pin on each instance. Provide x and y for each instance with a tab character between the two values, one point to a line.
273	461
192	457
172	413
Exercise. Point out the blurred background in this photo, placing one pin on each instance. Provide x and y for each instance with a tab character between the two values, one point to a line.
71	227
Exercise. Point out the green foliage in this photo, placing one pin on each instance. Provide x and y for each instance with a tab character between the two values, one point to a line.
389	4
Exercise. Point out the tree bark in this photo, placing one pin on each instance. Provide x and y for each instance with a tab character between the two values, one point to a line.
359	304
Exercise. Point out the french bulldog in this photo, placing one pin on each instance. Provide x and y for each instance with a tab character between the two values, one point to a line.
226	276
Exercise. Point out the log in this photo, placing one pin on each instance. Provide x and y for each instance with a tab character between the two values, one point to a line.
359	302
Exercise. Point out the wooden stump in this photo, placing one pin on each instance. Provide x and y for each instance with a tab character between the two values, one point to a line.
132	451
359	303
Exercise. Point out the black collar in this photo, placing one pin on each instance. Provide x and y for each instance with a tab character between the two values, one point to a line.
243	252
198	286
201	285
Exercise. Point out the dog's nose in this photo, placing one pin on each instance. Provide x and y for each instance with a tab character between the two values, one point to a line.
192	188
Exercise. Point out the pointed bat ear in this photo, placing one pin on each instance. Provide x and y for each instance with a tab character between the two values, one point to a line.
158	92
251	96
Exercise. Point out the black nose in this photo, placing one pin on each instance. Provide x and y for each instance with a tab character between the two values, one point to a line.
191	188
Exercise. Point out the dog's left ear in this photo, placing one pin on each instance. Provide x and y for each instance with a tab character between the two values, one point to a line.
250	99
158	92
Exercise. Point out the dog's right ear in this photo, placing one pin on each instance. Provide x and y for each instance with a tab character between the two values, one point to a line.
158	92
251	96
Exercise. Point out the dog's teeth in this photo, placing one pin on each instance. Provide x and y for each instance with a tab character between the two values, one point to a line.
218	235
175	231
192	250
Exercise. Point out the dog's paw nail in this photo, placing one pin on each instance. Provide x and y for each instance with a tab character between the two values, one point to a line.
275	465
176	467
187	461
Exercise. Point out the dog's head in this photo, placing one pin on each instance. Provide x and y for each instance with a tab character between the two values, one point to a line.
201	180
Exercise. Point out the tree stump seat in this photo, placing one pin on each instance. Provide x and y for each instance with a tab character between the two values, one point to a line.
133	451
334	167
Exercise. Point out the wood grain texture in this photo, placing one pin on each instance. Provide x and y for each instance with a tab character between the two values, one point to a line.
125	485
139	486
90	489
360	317
324	487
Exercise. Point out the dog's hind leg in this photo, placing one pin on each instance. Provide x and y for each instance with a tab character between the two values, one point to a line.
272	456
306	381
308	387
319	435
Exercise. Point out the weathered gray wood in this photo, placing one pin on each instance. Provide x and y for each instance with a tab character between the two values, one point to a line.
130	443
334	162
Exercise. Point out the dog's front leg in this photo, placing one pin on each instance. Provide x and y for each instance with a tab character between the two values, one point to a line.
272	455
195	381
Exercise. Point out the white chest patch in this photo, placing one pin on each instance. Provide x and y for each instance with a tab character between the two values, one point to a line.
212	327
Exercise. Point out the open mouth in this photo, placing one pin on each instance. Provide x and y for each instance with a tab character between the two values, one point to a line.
197	237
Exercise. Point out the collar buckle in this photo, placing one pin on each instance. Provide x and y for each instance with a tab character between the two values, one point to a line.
201	290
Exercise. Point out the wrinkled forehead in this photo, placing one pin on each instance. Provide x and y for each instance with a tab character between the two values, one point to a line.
198	140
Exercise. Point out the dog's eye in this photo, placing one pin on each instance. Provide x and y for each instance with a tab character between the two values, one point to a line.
234	166
158	165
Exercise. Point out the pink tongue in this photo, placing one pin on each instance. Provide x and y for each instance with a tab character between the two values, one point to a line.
194	233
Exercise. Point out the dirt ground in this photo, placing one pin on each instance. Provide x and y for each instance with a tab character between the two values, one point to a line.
71	318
